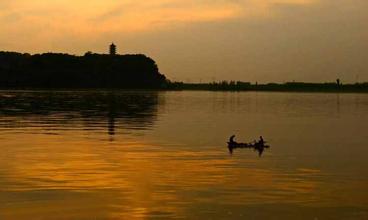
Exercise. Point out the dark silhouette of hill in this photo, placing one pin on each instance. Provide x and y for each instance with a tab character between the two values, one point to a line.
55	70
52	70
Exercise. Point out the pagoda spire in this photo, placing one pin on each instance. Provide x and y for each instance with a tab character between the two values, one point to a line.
112	49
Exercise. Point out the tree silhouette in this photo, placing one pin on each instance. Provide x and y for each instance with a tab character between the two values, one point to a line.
51	70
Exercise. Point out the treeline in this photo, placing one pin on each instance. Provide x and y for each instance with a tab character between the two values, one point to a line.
288	86
52	70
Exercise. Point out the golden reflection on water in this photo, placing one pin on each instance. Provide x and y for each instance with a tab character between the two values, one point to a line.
150	178
64	170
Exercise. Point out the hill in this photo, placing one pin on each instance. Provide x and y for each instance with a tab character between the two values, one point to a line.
54	70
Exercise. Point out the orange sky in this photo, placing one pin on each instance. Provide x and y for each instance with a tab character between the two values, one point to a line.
193	40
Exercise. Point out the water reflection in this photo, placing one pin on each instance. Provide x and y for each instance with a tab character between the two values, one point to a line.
128	110
257	148
170	162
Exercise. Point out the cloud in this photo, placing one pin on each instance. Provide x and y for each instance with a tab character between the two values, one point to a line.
157	14
100	16
138	16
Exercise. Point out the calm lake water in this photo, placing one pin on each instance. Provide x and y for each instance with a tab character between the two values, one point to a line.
163	155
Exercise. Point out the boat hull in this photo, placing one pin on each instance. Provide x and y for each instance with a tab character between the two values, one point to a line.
245	145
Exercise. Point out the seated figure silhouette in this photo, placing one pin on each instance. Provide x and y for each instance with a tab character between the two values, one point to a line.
261	141
231	140
260	146
231	143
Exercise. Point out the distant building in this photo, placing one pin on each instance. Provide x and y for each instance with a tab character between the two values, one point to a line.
112	49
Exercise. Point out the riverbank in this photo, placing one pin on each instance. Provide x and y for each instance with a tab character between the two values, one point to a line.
271	87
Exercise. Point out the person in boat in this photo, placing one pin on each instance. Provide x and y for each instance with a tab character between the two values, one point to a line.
231	140
261	141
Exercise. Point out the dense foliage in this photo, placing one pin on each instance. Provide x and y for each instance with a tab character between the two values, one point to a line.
53	70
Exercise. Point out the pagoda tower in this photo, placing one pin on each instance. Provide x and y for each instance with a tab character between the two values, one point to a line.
112	49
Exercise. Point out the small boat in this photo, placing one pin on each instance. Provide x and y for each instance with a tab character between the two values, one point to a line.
258	146
246	145
238	145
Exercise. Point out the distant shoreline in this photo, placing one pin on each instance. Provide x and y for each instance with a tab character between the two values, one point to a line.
264	89
273	87
55	71
220	87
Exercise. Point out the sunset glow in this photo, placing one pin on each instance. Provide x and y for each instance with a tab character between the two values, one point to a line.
230	36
